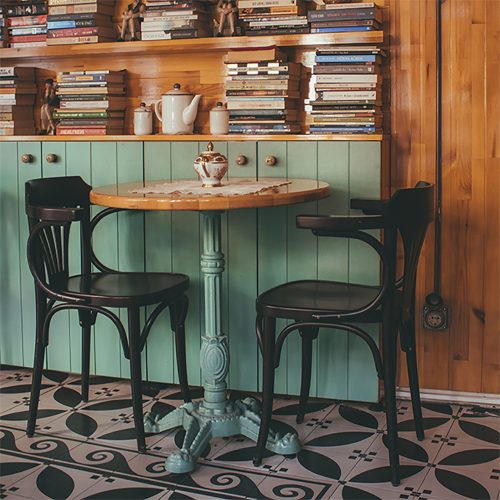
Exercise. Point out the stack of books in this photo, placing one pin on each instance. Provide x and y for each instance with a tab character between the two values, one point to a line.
80	21
17	98
26	22
348	83
176	19
262	92
273	17
339	17
91	102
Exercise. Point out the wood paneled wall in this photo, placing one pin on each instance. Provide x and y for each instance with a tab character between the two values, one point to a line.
466	357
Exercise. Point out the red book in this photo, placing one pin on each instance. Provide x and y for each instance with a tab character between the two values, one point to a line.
26	20
28	38
80	131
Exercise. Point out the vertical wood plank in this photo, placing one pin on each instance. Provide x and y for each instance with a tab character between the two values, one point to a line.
302	253
186	256
272	242
27	171
58	351
11	259
77	163
160	347
364	182
241	272
107	347
130	168
333	264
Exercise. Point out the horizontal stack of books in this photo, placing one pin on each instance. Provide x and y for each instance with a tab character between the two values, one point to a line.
91	102
80	21
339	17
176	19
273	17
262	92
26	22
17	98
348	83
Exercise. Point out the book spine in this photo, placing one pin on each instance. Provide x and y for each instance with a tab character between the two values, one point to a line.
72	40
23	45
329	15
28	38
84	104
73	114
73	9
72	32
35	30
25	10
278	31
7	71
354	5
81	78
343	29
347	79
170	35
26	21
252	4
69	2
80	131
346	58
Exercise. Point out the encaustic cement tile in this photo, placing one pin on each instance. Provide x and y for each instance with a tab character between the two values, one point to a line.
14	468
275	487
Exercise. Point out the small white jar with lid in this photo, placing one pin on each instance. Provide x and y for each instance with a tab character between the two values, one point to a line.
143	120
219	120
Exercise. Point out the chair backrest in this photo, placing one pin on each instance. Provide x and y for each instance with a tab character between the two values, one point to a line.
55	203
412	210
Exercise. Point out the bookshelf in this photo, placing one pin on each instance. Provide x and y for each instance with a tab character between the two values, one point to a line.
154	66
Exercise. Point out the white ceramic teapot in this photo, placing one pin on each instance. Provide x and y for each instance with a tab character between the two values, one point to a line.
177	111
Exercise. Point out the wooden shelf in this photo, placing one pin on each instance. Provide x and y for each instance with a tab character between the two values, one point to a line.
195	137
113	49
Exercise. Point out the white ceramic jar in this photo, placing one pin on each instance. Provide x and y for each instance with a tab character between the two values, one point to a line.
219	120
211	167
143	120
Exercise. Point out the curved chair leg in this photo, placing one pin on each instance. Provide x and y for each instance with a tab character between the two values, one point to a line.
389	353
86	324
411	363
178	312
268	340
40	345
136	376
308	335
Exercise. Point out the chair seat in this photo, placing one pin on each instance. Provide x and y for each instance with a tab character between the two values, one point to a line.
302	299
125	289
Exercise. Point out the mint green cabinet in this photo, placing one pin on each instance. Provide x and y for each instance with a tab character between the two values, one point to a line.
262	248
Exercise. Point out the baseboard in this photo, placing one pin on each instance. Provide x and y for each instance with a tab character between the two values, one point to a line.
452	396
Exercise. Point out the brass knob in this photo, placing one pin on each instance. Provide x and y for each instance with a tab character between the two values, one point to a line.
241	160
27	158
271	160
51	158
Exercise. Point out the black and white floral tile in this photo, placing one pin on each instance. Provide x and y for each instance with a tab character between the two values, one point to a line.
87	450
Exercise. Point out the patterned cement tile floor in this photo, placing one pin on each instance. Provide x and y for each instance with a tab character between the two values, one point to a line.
87	450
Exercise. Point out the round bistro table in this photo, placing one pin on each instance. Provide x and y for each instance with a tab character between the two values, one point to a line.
215	415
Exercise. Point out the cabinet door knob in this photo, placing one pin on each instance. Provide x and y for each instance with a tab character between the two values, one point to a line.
271	160
51	158
27	158
241	160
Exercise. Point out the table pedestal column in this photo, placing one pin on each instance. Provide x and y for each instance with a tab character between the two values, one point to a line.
215	415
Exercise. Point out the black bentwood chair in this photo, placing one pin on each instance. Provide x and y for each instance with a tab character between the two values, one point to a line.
316	304
52	205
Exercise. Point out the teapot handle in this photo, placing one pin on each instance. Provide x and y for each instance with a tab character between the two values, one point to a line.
158	110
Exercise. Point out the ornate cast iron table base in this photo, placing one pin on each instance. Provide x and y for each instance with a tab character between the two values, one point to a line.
215	416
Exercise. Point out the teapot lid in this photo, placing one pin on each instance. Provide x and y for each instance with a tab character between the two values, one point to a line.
143	108
176	90
210	155
219	107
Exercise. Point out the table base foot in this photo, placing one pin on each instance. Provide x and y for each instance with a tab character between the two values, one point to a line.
203	423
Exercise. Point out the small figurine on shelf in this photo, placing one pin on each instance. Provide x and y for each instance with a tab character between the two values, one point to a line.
227	10
131	19
50	101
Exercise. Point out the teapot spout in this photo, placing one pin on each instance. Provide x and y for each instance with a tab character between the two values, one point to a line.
190	112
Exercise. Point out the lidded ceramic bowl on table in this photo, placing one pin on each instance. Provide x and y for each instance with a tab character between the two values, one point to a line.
211	167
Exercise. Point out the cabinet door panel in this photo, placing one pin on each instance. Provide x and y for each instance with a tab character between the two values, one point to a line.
302	252
11	258
58	350
186	256
108	352
77	163
27	171
160	347
272	241
333	264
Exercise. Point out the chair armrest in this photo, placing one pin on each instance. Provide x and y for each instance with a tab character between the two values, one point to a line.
53	214
369	207
330	224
